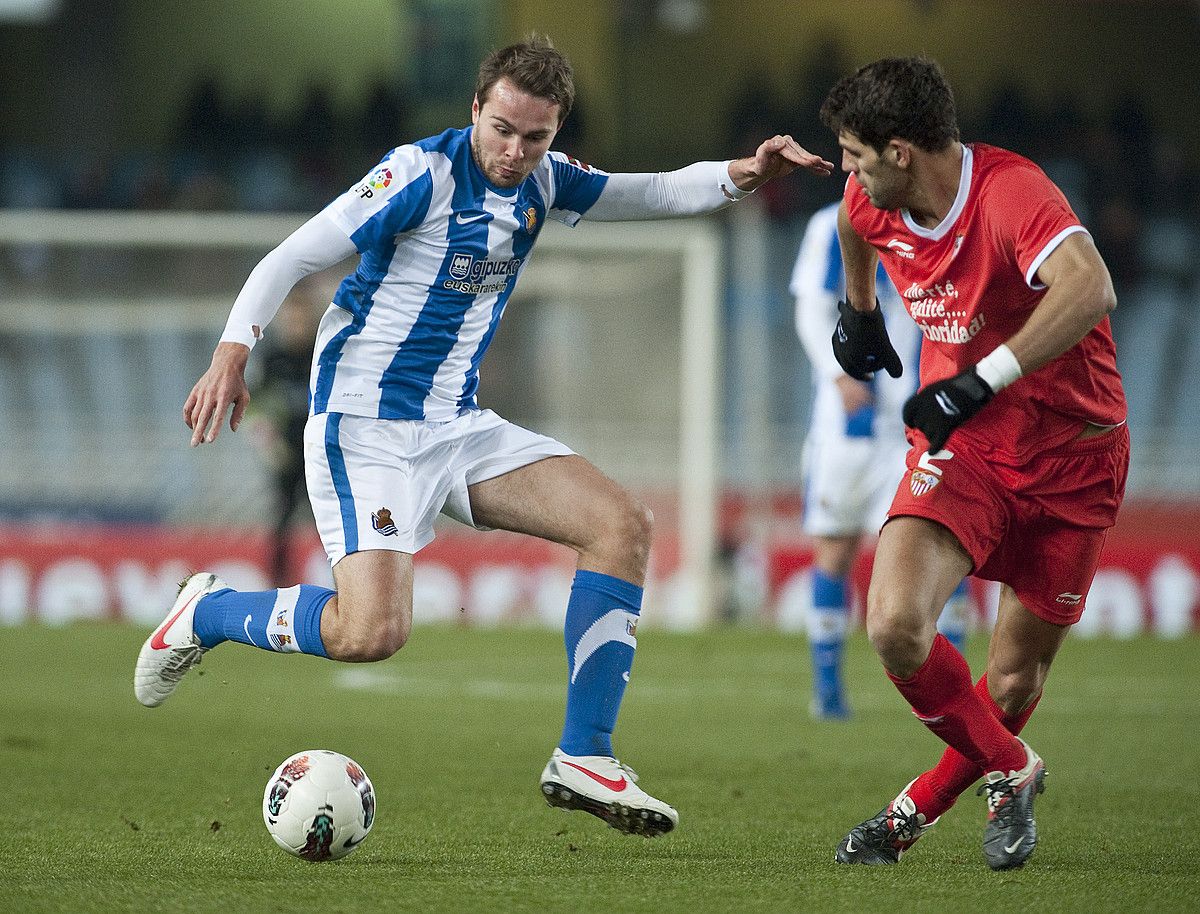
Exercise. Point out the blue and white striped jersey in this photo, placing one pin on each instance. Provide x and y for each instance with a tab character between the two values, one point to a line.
818	281
441	250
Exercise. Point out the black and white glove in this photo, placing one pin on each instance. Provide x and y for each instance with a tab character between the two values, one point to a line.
943	406
861	345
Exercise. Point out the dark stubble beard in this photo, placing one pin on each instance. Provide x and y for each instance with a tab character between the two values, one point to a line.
477	152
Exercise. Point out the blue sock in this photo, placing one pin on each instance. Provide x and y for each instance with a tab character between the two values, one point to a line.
827	624
955	620
602	617
287	620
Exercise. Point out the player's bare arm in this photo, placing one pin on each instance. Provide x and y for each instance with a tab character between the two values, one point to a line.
855	394
1079	295
858	260
222	386
775	158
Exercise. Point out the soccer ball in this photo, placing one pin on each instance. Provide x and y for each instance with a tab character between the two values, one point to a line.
319	805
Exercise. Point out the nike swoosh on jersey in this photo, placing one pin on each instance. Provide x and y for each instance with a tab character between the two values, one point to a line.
616	786
464	219
157	642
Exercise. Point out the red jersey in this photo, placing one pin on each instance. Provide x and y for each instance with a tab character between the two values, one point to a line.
971	284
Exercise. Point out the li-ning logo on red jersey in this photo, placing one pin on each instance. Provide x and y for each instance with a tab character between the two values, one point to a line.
1071	599
904	250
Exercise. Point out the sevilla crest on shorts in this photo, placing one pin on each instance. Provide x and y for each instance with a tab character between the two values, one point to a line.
921	482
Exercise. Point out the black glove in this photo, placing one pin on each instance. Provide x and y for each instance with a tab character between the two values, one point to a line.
943	406
861	344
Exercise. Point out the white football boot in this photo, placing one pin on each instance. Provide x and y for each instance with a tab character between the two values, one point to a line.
601	785
172	649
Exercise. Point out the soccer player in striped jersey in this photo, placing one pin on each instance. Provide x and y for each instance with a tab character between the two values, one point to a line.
853	456
1019	446
444	228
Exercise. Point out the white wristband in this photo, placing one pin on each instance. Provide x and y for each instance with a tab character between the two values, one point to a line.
999	368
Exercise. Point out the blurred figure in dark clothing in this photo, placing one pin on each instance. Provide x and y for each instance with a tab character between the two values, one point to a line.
280	400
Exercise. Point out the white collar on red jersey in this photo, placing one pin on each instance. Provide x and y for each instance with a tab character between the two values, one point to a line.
939	231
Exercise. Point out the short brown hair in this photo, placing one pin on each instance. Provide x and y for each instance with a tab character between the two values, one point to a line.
533	66
905	97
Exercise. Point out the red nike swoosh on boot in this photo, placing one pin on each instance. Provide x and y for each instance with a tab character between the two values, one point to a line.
157	641
615	786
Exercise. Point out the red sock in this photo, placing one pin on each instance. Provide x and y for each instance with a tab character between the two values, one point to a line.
936	790
943	699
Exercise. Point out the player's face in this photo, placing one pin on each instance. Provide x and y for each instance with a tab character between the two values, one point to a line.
877	173
513	130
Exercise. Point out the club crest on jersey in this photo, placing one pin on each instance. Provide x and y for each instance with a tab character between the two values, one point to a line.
381	520
921	482
460	266
530	218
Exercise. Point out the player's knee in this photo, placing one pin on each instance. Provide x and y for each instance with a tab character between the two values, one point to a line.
364	634
897	636
639	524
626	528
1013	691
378	643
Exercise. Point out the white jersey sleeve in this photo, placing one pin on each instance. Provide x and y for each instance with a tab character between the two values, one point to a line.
580	189
392	198
817	285
313	247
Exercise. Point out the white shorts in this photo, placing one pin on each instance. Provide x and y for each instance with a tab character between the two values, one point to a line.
849	483
380	483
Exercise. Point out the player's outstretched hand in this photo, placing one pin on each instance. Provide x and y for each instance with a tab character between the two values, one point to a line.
774	158
861	345
223	385
941	407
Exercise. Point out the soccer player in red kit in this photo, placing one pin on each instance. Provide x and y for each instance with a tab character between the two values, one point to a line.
1019	445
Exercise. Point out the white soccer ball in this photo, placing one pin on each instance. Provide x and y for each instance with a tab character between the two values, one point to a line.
319	805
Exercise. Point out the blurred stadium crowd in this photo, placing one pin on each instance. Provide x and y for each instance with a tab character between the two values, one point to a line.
1129	179
1131	183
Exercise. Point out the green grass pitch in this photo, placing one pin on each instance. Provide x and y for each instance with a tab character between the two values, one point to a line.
109	806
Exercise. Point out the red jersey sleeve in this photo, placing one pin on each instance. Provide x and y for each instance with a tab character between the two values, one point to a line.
1029	217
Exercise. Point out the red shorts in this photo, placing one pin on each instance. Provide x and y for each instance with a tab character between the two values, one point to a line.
1038	528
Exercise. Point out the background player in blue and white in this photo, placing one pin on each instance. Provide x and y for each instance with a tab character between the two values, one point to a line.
853	455
444	228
